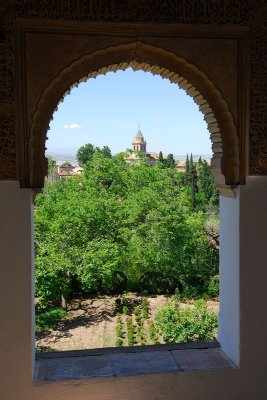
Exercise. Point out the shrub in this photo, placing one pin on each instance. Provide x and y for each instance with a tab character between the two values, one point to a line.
145	309
145	312
158	282
118	305
136	311
128	321
213	288
152	332
48	319
119	342
119	331
119	319
191	323
130	336
125	310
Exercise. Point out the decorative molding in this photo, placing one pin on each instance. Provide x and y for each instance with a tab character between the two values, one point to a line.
249	13
225	144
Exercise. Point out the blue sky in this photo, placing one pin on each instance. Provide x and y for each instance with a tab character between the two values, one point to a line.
108	109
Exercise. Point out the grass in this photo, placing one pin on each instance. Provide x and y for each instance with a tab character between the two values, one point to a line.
48	320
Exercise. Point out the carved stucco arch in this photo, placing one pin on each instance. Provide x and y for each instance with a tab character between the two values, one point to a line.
140	56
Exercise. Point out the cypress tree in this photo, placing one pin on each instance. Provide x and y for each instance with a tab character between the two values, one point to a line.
191	160
207	184
187	164
192	180
186	175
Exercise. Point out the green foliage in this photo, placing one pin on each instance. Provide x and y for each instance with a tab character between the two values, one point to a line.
126	310
170	161
119	331
119	342
152	332
213	288
86	153
191	323
128	322
122	227
51	165
48	320
145	308
161	159
66	164
118	306
130	335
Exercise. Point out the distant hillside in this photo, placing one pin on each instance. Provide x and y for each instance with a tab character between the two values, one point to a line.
61	157
182	158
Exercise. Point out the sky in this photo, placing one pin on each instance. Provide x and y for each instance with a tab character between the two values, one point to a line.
107	110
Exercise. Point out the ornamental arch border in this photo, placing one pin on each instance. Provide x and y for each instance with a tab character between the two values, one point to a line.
141	56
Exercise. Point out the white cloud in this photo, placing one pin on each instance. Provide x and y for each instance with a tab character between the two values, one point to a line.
72	126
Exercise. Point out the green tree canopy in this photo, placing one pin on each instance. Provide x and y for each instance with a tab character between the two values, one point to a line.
86	153
117	227
170	161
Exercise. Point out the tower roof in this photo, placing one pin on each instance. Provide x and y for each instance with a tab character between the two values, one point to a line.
139	135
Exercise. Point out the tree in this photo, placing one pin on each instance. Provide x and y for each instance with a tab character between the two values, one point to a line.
120	225
66	164
106	152
186	173
51	170
170	161
193	183
161	159
51	165
85	153
207	184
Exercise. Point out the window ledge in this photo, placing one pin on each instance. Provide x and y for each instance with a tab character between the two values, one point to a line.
112	362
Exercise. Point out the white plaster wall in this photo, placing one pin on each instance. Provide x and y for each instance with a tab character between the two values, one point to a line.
247	383
229	332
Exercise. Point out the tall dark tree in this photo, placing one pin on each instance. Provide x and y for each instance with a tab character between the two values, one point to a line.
161	159
192	180
191	162
193	183
187	164
186	174
207	183
170	161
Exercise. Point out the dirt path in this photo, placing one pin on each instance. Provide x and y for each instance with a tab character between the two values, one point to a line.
91	323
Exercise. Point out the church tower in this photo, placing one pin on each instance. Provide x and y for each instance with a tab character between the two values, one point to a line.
139	142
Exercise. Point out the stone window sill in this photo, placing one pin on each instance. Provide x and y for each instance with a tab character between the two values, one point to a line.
127	361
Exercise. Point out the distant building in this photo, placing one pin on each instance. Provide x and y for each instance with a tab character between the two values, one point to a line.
180	166
70	170
139	147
